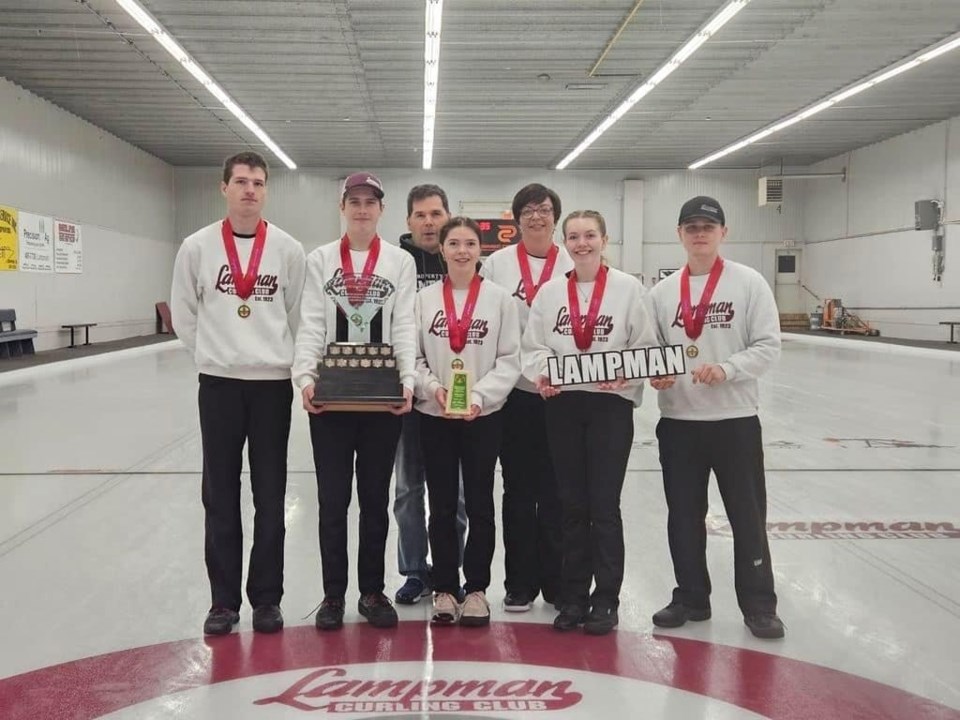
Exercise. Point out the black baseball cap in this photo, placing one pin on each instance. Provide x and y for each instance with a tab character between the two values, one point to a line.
702	207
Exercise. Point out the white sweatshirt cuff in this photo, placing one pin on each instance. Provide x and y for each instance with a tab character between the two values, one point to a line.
730	370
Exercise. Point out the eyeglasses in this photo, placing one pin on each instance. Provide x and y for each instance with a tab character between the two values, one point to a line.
543	211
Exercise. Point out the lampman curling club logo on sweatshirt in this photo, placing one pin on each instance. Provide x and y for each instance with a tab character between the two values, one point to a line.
520	293
601	330
378	291
479	328
264	288
718	314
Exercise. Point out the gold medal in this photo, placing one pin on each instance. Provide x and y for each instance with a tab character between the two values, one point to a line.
244	311
692	351
457	364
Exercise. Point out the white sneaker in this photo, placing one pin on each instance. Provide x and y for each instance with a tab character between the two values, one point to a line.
476	610
446	609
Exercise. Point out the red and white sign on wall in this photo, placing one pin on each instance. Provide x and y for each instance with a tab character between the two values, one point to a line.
68	247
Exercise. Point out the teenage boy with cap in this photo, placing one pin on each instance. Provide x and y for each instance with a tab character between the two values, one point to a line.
427	212
725	315
359	289
235	303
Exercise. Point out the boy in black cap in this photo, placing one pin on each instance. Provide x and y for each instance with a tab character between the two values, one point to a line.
725	314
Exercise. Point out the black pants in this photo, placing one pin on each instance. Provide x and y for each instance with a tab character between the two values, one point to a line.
531	506
733	449
590	434
447	446
339	439
234	412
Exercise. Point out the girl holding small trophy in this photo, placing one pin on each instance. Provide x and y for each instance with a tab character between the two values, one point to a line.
468	360
593	309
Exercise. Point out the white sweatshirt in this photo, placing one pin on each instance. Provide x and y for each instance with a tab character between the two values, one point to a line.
503	268
491	355
204	305
622	323
741	333
391	297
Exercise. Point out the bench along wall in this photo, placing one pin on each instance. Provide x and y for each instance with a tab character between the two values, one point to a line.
58	165
860	243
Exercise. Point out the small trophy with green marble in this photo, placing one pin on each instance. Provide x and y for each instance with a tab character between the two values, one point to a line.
458	394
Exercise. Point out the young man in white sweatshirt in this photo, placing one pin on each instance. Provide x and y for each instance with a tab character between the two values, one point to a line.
531	507
235	303
358	289
725	314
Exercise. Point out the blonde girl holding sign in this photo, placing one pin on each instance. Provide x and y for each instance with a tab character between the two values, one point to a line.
594	308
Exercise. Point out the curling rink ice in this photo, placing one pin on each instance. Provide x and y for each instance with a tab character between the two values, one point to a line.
104	589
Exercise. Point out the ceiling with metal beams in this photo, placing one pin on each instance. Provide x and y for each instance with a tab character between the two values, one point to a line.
339	83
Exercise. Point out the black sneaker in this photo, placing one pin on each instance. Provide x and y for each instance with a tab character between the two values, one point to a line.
764	625
517	602
570	618
601	620
220	621
676	614
330	614
267	619
378	611
411	592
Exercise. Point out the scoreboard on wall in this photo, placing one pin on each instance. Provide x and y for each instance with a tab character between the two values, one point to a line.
496	234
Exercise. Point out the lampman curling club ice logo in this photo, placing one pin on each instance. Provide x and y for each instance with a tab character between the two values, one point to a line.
847	530
514	671
336	690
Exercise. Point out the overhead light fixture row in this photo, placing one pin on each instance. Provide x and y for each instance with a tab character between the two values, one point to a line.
159	33
891	71
708	30
431	76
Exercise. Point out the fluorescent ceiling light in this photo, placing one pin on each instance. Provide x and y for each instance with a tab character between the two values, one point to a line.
138	13
902	66
710	28
431	76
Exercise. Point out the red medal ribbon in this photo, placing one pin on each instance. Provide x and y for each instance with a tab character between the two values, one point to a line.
457	328
693	317
243	283
529	289
357	287
583	326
